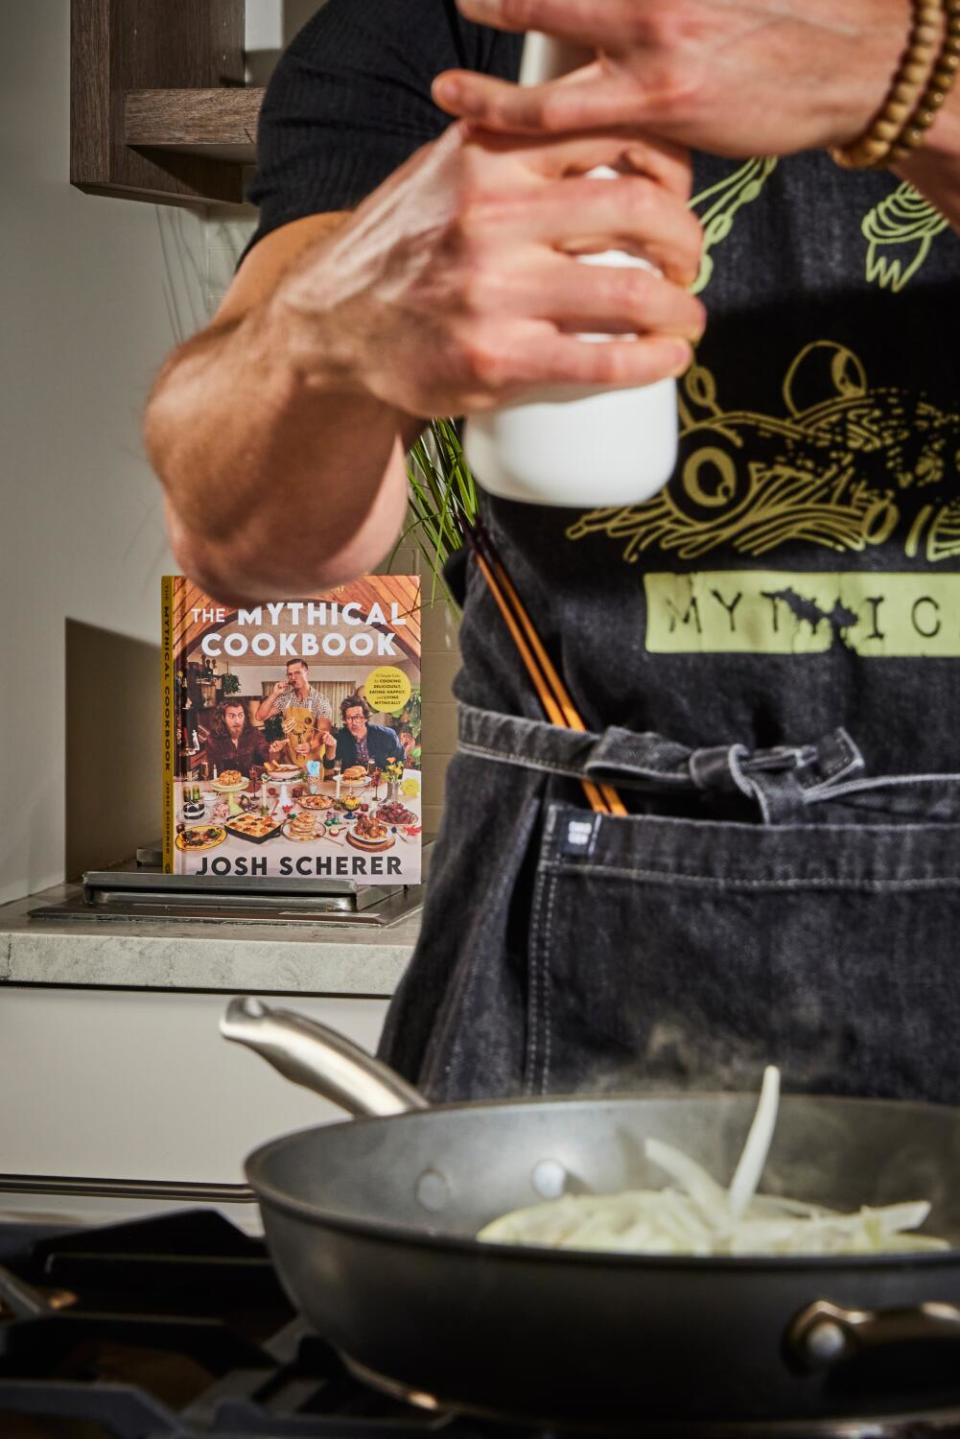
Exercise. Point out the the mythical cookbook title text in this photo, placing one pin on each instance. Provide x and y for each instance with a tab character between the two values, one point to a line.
368	638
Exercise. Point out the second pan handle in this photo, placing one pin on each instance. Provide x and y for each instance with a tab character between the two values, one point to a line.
319	1058
824	1335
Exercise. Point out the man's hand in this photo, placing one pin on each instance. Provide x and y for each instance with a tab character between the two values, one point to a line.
734	77
454	288
268	706
326	736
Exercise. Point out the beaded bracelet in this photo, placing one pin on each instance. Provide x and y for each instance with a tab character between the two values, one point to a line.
920	85
938	86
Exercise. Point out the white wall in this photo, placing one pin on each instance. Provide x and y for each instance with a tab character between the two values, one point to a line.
93	292
271	24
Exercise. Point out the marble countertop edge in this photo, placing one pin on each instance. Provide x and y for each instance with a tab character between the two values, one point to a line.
299	958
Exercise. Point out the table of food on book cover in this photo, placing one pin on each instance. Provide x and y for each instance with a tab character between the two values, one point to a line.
254	784
317	828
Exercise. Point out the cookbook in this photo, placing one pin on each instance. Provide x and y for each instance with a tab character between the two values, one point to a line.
291	734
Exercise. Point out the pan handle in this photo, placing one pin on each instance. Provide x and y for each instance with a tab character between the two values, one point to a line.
319	1058
824	1334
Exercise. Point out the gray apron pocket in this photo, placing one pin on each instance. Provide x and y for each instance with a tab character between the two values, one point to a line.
675	952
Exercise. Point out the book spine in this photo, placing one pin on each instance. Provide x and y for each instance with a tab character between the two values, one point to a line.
169	711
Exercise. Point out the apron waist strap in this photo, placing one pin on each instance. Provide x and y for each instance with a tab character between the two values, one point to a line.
780	779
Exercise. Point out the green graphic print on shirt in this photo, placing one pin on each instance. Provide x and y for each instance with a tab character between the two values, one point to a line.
863	466
860	468
899	230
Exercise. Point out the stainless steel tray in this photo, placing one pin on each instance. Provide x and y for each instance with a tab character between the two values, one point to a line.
142	892
127	905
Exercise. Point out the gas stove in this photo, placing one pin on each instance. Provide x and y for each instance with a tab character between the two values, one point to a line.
171	1328
176	1327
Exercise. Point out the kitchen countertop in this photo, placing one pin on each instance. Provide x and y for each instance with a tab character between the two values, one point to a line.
300	958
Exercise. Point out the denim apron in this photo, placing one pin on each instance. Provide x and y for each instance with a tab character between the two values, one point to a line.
789	909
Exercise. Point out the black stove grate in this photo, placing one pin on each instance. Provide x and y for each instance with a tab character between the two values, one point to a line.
177	1328
173	1328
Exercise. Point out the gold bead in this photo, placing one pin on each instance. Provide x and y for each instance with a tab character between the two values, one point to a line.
857	156
885	129
914	73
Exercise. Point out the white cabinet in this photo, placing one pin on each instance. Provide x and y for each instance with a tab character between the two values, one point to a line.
139	1085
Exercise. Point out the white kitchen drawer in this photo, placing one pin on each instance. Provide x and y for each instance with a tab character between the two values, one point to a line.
140	1085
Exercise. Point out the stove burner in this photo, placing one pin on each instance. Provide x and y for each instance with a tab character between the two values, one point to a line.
177	1328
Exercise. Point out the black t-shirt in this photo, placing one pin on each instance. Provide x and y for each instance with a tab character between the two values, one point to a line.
800	571
350	100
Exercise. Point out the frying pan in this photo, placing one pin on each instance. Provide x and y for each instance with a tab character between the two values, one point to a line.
371	1224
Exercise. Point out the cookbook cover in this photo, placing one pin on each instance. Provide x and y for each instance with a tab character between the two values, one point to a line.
291	733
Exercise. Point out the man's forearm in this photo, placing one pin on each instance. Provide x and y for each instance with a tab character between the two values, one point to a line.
276	479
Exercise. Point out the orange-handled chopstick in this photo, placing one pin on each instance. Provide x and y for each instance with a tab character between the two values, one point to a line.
551	708
572	717
551	691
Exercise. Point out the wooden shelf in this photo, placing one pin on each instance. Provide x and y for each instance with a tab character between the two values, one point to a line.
158	107
221	124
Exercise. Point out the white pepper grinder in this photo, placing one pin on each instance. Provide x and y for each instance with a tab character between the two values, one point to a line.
606	447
